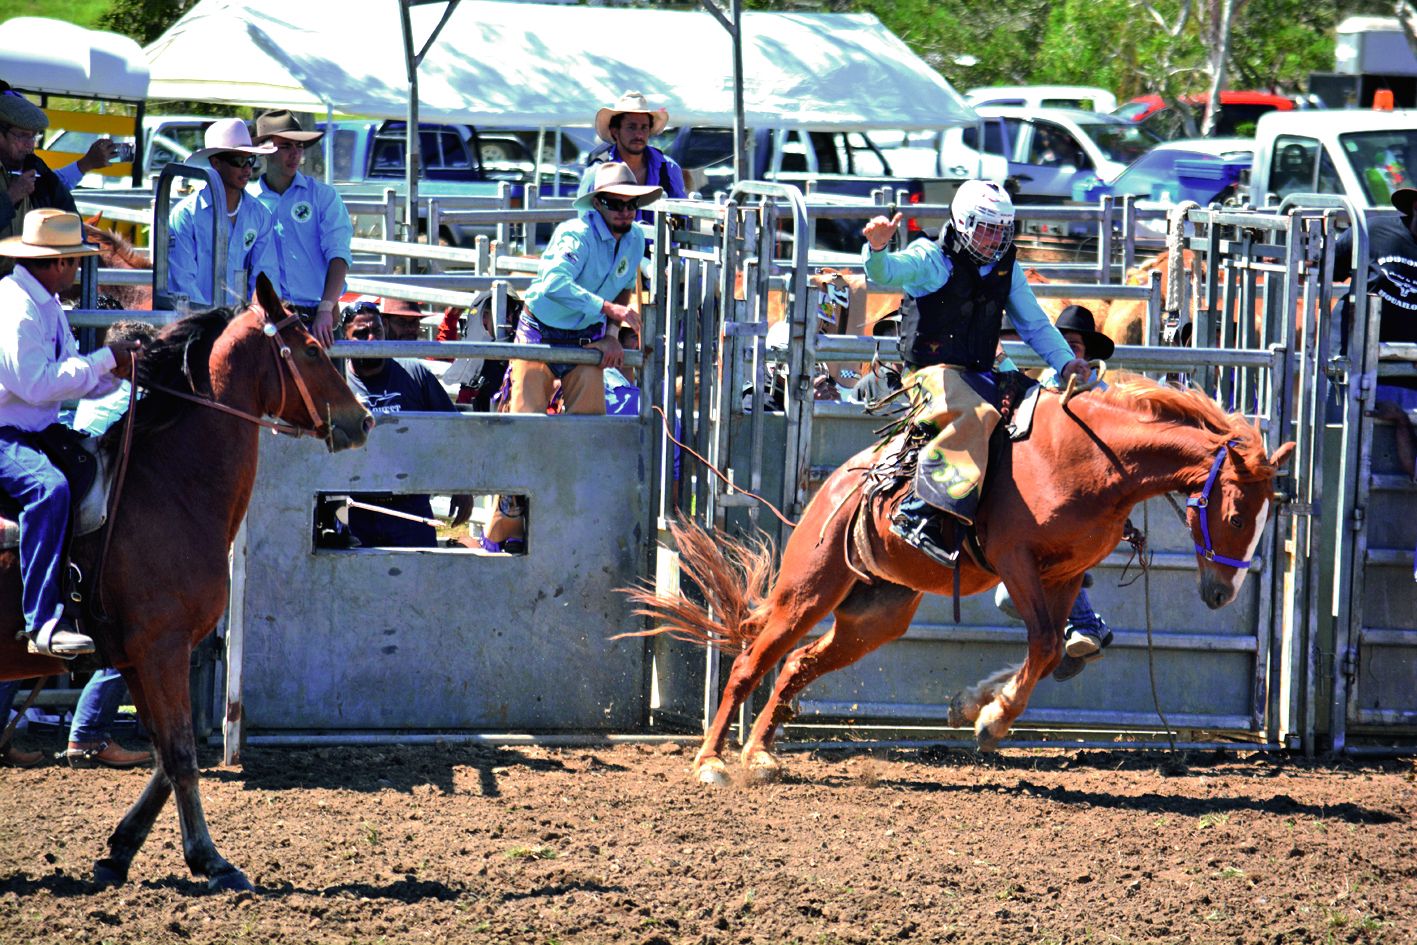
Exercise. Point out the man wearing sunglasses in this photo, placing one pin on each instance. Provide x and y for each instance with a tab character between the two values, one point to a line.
312	226
578	299
28	181
250	246
627	127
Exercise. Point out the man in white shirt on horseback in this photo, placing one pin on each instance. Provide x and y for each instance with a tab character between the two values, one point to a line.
957	289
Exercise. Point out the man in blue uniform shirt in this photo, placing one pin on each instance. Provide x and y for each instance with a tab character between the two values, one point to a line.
957	289
312	227
578	299
250	247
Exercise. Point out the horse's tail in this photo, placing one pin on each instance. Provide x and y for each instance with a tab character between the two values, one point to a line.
732	578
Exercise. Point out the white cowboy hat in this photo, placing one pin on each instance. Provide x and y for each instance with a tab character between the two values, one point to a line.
49	234
229	134
631	103
617	180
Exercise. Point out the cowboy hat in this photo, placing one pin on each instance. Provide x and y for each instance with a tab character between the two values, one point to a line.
229	134
1079	319
282	123
19	112
398	308
616	180
1402	199
631	103
49	234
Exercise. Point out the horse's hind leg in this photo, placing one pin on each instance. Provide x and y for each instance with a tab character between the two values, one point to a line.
164	681
793	613
870	616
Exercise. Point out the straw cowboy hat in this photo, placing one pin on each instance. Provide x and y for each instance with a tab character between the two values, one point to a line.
617	180
631	103
49	234
19	112
1079	319
229	134
283	124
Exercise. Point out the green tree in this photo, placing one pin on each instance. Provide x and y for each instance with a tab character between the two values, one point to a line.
143	20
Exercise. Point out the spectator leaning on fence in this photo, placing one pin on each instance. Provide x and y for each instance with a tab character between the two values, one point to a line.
312	227
577	300
250	247
28	181
627	126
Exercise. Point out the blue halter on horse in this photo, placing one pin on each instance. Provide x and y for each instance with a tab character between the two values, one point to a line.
1201	503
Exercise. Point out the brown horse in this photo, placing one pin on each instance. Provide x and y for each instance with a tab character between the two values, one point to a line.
115	252
165	579
1054	508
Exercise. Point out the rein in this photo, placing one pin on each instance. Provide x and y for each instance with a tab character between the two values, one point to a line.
282	352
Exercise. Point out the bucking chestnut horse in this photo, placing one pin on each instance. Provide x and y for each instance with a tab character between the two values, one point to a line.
165	581
1054	507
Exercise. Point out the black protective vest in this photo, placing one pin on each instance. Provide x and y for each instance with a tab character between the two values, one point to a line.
959	322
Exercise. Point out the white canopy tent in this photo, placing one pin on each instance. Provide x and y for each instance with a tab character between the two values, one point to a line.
499	64
58	58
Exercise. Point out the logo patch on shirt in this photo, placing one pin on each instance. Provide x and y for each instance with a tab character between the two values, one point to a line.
622	267
249	239
302	212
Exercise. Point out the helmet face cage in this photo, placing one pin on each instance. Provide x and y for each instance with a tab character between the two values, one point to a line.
983	216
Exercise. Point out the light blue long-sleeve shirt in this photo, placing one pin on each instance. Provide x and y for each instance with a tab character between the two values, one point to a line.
922	267
312	229
583	266
250	246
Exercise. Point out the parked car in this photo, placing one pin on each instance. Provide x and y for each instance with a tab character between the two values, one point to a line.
837	163
166	138
1085	97
1359	154
1239	111
1206	170
1044	149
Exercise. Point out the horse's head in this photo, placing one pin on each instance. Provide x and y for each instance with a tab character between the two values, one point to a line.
1227	516
308	392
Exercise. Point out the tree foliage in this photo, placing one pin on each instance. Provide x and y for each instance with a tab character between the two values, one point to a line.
143	20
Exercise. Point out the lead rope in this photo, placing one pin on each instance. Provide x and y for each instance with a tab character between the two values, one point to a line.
1144	561
14	723
664	418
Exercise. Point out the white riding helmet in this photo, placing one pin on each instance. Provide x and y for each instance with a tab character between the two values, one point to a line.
983	217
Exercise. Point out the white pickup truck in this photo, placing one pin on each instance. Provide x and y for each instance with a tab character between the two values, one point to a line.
1359	154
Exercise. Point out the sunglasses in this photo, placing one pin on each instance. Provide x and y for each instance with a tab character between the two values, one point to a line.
238	160
619	206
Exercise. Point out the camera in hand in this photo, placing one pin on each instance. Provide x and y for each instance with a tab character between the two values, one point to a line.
122	153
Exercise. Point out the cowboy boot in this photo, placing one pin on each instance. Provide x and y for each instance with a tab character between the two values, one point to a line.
59	638
921	526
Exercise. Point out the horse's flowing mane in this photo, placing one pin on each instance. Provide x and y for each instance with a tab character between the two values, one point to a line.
1191	406
115	250
178	359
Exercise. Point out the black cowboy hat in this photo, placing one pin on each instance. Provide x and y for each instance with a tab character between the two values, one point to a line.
1079	319
1403	198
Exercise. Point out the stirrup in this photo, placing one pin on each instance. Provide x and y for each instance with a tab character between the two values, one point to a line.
58	638
913	533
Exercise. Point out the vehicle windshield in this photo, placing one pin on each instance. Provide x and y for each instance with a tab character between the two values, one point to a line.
1121	141
1383	160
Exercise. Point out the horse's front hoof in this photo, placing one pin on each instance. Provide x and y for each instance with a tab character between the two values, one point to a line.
712	771
108	873
762	768
232	880
990	729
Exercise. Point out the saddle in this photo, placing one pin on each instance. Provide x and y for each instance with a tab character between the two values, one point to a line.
77	456
889	479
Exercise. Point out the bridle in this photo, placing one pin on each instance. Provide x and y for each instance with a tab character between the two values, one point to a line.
272	330
1201	503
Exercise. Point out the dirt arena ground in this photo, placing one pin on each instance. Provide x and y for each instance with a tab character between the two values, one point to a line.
527	845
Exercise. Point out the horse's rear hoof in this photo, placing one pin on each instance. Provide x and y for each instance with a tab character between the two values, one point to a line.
233	881
108	873
713	772
957	717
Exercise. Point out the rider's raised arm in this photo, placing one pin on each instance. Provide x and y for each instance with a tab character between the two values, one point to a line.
1033	325
919	269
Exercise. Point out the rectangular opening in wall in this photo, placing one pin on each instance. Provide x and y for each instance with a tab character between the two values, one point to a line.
467	523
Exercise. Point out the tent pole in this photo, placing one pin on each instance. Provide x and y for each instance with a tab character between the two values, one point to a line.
414	156
733	23
330	133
